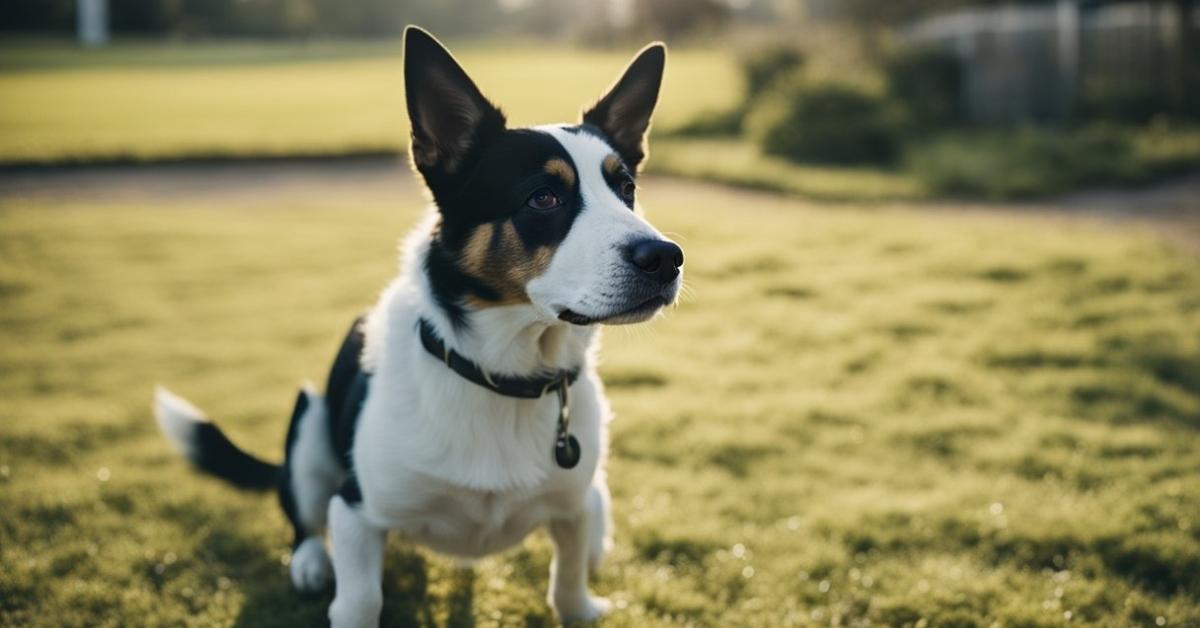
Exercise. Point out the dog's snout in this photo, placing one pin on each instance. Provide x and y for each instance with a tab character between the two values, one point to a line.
659	258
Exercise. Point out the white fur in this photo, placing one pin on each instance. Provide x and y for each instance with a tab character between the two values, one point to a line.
589	263
315	477
177	418
316	472
358	566
599	507
311	569
468	472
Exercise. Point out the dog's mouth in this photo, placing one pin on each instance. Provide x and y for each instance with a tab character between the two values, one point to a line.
641	312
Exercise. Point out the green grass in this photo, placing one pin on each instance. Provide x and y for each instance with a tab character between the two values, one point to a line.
148	101
1039	162
740	163
892	417
994	165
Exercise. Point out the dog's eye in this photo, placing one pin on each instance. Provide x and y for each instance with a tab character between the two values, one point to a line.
543	199
628	187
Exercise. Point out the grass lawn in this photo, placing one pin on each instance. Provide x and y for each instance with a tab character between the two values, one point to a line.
739	162
152	101
893	417
993	165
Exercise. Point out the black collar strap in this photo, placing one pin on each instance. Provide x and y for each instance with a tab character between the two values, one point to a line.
566	447
509	386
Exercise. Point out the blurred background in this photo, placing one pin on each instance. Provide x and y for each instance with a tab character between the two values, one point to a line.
946	97
939	363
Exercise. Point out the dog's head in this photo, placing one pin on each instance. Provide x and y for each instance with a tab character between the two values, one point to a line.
544	216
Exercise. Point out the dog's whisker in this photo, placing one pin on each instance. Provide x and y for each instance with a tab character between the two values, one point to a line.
675	235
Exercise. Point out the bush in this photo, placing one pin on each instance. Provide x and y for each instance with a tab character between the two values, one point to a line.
761	70
928	83
828	123
1030	162
1121	103
712	124
765	67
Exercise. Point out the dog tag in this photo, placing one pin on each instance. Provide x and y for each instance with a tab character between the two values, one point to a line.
566	451
566	448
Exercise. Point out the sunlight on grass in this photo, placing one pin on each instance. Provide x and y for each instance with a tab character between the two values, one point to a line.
859	415
146	102
739	162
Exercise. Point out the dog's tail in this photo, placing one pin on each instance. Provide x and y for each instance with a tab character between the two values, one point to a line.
203	443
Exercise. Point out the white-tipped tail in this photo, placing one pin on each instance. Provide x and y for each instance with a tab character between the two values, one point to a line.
178	419
202	443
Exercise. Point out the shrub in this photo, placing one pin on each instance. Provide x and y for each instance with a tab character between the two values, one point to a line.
712	124
761	70
765	67
928	83
1121	103
1029	162
828	123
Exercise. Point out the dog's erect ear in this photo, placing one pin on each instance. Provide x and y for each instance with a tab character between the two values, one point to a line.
449	115
624	112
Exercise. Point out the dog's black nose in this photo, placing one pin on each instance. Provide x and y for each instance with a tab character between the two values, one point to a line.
658	258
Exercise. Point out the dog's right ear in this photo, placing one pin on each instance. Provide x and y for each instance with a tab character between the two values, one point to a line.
448	114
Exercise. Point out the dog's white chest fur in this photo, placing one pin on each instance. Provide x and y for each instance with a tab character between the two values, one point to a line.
452	465
468	523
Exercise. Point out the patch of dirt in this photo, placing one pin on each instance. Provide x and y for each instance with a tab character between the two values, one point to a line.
1172	208
268	181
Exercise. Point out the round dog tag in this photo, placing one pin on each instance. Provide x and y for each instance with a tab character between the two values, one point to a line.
566	451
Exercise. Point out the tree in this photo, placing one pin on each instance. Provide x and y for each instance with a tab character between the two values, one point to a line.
672	19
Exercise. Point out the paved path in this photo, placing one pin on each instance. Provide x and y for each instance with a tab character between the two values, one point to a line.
1172	208
212	182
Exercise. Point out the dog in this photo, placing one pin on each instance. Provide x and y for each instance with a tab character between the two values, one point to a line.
464	409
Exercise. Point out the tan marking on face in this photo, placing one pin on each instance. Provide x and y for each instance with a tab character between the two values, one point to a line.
475	253
562	170
506	266
612	164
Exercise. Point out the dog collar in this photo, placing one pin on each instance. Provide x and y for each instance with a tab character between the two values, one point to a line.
566	447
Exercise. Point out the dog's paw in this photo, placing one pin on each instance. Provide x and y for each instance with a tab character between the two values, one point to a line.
311	570
586	609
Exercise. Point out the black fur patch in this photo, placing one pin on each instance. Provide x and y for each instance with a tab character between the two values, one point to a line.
350	491
495	188
287	499
345	392
346	422
217	455
624	112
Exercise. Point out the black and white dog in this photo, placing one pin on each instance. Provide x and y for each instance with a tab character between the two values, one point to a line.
464	410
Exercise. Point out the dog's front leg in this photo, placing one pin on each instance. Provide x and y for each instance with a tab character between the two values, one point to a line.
569	595
357	568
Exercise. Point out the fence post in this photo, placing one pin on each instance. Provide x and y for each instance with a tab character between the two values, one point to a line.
1067	35
91	18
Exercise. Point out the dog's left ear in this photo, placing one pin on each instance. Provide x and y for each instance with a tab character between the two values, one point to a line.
624	112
